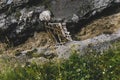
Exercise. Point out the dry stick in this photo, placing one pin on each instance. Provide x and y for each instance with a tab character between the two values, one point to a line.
59	32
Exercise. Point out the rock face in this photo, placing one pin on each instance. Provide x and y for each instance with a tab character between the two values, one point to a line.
98	44
66	8
16	25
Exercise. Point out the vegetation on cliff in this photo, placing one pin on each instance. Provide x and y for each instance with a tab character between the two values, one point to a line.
92	66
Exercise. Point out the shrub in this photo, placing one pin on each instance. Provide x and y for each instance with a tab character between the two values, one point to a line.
89	67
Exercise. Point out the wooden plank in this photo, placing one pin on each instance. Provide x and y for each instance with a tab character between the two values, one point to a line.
58	30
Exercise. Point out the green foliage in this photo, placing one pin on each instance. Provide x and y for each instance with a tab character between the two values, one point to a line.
88	67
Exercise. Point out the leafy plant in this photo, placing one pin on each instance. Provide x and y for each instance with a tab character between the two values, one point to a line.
89	67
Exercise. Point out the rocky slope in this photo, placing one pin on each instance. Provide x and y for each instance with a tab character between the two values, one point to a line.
25	36
16	28
104	25
38	49
93	43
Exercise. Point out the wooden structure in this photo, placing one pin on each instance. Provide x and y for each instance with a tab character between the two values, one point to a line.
58	32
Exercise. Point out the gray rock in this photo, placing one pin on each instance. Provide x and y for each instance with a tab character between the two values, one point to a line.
117	1
45	15
97	44
9	2
66	8
18	27
75	18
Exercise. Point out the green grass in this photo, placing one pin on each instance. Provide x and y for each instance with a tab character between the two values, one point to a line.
89	67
